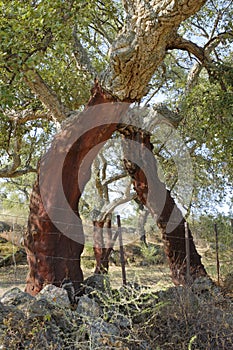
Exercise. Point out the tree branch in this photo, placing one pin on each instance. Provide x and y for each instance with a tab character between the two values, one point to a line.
141	46
81	56
109	208
49	99
202	54
21	117
114	178
183	44
7	172
216	40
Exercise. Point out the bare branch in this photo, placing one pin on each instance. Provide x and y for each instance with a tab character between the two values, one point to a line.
193	76
183	44
109	207
81	56
21	117
14	154
114	178
49	99
102	32
216	22
200	28
216	40
202	54
12	174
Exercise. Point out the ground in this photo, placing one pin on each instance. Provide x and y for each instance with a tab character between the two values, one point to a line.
146	266
156	276
162	317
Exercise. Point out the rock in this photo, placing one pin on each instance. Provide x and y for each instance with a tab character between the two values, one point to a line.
55	295
4	226
37	308
132	318
96	283
205	287
103	334
88	307
121	320
15	297
201	285
5	312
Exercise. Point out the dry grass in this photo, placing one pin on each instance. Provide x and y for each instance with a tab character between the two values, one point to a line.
156	277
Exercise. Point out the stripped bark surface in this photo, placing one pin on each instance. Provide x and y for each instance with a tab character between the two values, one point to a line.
150	29
52	255
153	194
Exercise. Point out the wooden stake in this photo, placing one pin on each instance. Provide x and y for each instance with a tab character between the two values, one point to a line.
217	252
122	258
187	249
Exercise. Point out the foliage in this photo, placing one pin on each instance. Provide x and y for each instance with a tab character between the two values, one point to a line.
41	35
210	141
152	254
204	228
130	318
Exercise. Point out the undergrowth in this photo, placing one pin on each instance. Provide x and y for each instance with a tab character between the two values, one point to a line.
178	318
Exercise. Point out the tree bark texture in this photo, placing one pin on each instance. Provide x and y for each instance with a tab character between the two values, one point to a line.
54	246
102	244
142	217
153	194
150	28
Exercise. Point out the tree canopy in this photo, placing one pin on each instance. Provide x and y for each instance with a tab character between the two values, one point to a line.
51	51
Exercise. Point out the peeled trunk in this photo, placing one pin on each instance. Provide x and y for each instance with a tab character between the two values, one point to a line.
102	244
54	240
142	217
141	166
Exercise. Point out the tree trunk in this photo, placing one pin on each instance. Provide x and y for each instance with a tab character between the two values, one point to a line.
142	217
149	30
55	237
141	166
102	244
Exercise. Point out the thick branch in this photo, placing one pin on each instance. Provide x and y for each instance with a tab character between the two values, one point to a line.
21	117
7	172
141	46
50	100
203	55
114	178
15	143
183	44
109	208
216	40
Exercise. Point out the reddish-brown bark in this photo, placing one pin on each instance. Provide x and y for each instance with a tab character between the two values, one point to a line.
102	244
153	194
52	255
